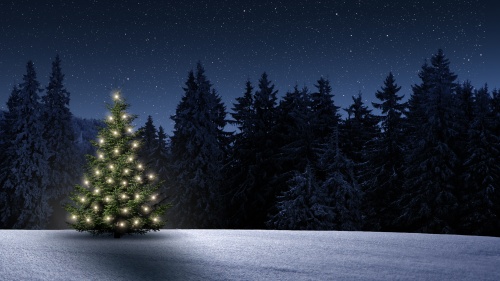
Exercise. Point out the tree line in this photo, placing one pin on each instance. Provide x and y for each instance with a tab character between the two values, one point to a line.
429	164
37	150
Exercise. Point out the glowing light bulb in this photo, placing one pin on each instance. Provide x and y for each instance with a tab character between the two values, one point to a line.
101	141
137	196
126	171
110	118
88	220
115	133
124	182
134	144
110	180
101	156
124	196
107	199
139	166
86	182
116	96
122	224
151	176
138	178
129	130
97	172
124	116
130	159
153	197
73	217
96	190
111	167
83	199
116	151
108	218
136	222
146	209
125	210
155	219
96	208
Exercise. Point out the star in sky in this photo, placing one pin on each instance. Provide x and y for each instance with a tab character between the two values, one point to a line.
146	48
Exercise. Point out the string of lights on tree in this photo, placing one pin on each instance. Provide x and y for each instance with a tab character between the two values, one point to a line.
119	194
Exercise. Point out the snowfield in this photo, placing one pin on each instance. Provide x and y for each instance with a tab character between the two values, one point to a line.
246	255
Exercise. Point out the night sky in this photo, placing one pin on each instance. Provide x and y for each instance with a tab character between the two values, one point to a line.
146	48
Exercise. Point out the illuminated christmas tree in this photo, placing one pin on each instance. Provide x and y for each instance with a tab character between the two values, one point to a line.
119	194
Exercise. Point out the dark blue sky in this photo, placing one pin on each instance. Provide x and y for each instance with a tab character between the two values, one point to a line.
146	48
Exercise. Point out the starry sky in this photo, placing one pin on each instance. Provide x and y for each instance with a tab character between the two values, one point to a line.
146	48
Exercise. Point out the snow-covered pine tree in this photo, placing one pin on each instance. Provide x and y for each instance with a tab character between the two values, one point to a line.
358	130
28	169
384	177
429	203
344	195
481	179
7	154
495	101
154	151
198	155
119	194
59	135
240	155
325	116
495	104
149	138
242	113
297	158
304	206
416	110
358	134
253	193
294	137
464	99
160	160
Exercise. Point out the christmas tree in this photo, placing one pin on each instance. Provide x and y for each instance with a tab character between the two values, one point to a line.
119	194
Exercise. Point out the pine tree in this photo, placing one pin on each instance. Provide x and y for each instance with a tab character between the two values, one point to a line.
59	135
241	155
358	129
198	155
416	106
342	189
253	195
296	160
305	126
294	136
160	160
149	138
430	203
480	194
7	156
119	194
243	111
27	170
464	99
325	113
384	175
495	104
359	132
304	206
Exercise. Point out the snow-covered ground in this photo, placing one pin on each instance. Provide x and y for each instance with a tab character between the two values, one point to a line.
246	255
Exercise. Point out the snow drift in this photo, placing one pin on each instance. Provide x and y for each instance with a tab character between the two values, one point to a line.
246	255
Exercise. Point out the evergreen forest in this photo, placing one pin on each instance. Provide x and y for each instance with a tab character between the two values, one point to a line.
429	162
